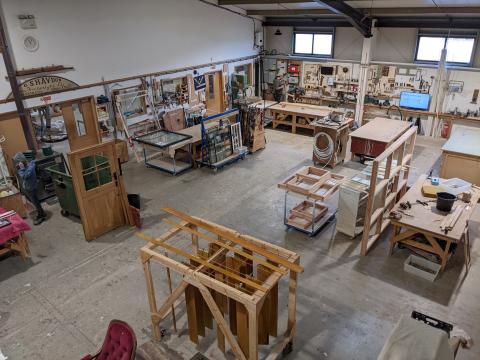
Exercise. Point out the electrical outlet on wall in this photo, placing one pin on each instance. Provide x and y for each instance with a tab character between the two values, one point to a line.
27	21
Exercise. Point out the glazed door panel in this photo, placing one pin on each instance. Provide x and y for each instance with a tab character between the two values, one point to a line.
81	123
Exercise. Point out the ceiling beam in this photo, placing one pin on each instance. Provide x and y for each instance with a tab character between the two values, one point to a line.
372	12
308	22
382	22
360	21
430	22
260	2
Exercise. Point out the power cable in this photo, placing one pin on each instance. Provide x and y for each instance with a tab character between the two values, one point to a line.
327	152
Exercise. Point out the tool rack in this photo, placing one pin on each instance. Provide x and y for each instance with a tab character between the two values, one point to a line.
311	199
225	276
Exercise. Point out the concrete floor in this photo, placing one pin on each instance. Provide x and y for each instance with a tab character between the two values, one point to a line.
58	304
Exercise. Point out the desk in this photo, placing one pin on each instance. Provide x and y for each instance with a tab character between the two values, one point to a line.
297	115
12	237
373	138
461	155
426	221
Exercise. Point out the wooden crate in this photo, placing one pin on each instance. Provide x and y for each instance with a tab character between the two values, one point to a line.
225	276
302	214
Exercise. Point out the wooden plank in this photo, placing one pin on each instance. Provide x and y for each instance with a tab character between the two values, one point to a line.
381	129
238	239
203	262
246	253
191	313
151	298
190	275
252	335
221	301
221	322
242	328
263	316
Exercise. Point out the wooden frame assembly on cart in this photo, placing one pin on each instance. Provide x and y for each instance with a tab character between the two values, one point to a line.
388	184
198	267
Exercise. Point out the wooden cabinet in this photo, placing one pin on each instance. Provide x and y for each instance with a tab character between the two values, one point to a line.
461	155
14	202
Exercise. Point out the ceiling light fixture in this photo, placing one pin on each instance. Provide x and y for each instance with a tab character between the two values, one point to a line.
278	32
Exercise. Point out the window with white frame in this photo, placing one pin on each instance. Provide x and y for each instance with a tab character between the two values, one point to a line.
313	44
459	48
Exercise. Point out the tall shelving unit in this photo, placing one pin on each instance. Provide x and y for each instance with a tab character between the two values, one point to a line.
222	139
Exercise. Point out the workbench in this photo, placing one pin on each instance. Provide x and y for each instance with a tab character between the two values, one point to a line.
374	137
425	220
12	236
297	115
461	155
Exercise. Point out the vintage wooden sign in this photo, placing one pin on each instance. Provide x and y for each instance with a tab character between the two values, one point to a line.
44	85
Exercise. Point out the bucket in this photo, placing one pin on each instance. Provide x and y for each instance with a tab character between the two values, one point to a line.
445	201
47	150
134	204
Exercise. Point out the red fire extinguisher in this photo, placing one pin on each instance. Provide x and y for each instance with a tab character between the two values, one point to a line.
445	129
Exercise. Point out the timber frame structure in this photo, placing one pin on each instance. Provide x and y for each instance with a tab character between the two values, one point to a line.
223	272
388	183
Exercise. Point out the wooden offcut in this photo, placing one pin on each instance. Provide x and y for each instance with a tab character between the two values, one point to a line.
230	282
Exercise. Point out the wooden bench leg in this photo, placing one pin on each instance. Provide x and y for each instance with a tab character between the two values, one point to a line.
466	248
444	255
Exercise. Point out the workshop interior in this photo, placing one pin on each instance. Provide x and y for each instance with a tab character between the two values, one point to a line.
240	179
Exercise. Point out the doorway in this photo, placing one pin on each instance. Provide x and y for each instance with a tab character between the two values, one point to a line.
214	93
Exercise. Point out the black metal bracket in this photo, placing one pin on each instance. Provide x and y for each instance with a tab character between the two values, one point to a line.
360	21
438	324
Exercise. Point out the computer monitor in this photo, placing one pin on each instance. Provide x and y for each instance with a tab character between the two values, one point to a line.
413	100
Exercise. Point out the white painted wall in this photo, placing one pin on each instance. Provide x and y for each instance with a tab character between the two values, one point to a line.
392	44
119	38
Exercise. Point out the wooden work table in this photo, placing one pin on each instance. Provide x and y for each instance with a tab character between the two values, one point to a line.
374	137
297	115
461	155
426	220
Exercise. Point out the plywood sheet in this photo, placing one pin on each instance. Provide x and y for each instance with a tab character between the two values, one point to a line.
11	129
381	129
302	110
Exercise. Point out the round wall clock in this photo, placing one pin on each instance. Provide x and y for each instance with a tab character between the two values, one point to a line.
30	43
